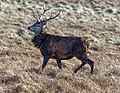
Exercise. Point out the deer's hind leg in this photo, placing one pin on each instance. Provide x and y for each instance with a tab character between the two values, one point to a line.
82	55
91	63
84	61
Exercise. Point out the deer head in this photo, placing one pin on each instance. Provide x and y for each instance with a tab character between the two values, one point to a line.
37	27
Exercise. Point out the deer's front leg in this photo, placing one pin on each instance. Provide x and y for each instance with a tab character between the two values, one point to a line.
45	61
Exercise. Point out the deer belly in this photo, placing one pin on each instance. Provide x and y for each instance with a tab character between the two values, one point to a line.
61	51
62	55
65	57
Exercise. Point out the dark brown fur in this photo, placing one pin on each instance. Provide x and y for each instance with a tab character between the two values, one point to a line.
63	48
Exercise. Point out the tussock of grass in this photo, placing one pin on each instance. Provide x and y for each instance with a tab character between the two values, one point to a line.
52	73
10	80
97	48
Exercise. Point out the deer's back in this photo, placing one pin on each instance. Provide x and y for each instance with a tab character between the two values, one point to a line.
60	46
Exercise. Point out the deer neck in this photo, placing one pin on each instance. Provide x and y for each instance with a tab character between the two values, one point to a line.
38	39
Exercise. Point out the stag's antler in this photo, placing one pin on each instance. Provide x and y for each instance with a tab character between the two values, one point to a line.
44	11
39	15
52	17
35	16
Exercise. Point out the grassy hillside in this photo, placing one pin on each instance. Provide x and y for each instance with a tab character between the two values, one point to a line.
20	61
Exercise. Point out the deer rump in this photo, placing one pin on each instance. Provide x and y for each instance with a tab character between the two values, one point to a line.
61	47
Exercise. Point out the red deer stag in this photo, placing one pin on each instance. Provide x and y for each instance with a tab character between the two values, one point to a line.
59	47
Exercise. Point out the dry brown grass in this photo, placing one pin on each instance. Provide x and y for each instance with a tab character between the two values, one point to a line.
20	62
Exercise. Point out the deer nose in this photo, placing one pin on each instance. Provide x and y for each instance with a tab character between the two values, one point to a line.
28	28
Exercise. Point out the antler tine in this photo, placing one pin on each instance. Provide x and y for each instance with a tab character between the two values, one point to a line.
53	16
44	10
34	15
38	14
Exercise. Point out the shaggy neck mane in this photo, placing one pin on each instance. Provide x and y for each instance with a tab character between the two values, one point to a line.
37	40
